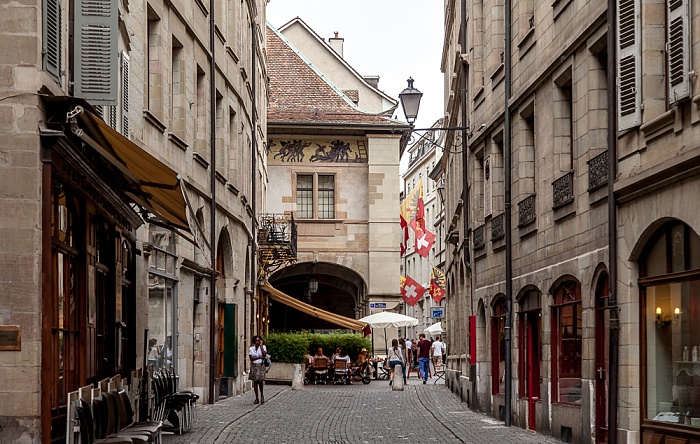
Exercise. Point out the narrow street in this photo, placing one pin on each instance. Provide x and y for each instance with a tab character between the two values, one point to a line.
352	414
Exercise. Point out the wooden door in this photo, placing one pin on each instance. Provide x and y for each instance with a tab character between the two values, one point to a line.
532	365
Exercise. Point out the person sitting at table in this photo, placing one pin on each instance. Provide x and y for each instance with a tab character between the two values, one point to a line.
319	354
362	358
335	355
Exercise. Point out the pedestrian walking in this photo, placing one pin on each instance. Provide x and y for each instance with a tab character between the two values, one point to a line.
424	357
438	348
257	353
395	358
404	355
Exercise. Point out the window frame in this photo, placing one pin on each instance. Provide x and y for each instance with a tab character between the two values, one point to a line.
316	212
498	320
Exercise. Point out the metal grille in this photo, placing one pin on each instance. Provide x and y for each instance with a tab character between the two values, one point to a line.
497	227
563	190
526	211
598	171
479	241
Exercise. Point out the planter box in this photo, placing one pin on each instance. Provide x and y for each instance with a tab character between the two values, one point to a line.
280	373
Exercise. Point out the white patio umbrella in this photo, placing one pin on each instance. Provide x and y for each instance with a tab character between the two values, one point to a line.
434	329
386	319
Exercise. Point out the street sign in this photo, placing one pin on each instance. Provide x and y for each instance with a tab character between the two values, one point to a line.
437	312
377	305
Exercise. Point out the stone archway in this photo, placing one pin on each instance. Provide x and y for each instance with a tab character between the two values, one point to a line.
338	289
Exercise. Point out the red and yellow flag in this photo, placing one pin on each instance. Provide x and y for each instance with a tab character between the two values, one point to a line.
438	284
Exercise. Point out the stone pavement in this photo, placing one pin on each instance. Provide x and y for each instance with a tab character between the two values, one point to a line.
340	414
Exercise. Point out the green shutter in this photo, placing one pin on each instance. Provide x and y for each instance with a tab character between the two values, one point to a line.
52	38
95	35
230	340
678	50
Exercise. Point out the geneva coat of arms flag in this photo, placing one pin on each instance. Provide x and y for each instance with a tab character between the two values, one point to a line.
438	284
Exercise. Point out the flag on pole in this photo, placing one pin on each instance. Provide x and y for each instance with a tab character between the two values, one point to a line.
404	231
411	291
424	242
438	284
416	208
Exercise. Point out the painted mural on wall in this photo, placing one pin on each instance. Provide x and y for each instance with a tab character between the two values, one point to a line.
305	151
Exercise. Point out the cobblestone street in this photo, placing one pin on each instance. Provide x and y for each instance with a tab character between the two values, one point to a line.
351	414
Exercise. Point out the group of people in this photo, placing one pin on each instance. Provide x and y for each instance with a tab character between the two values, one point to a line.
405	353
160	356
321	361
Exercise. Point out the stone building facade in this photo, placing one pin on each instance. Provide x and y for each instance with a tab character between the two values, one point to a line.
335	168
564	287
106	197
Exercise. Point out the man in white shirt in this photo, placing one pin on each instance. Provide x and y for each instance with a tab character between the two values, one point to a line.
437	351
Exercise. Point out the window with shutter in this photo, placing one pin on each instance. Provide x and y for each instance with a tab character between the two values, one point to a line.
628	60
52	38
124	105
678	50
95	35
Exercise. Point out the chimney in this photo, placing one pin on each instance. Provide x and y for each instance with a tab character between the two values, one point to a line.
337	44
372	80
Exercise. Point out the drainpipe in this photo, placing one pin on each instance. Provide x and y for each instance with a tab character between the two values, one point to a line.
507	215
613	357
465	179
212	206
254	166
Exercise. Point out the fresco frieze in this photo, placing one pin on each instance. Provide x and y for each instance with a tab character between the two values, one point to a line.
305	151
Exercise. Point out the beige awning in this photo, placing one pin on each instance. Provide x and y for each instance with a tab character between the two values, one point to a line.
352	324
158	187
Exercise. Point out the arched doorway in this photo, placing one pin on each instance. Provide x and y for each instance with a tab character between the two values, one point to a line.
330	287
669	286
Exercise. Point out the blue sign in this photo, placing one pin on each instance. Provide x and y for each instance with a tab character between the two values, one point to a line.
377	305
437	312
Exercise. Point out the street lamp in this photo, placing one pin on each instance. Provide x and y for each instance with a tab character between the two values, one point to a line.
410	101
313	285
441	191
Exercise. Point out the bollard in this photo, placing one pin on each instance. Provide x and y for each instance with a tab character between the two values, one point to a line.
297	378
397	384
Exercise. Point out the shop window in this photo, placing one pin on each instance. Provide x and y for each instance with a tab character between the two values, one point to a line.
498	347
566	343
162	297
670	291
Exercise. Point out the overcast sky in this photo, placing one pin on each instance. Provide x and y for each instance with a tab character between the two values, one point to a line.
393	39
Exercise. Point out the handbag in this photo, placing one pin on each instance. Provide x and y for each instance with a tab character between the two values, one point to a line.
267	361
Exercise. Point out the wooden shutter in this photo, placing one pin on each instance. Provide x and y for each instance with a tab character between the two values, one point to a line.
125	95
678	50
52	38
629	64
95	35
110	116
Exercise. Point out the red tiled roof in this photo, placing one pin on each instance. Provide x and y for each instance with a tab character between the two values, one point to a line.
298	94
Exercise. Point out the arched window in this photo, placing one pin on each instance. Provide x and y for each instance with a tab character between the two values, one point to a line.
670	297
567	327
498	347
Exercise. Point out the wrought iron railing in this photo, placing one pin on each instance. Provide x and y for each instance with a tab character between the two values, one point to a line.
526	210
478	234
563	190
277	241
598	171
498	229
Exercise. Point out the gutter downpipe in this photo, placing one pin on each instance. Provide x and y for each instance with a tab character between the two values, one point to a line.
465	190
212	206
254	172
613	353
507	215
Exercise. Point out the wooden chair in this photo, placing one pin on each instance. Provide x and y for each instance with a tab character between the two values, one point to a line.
439	372
320	367
340	371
